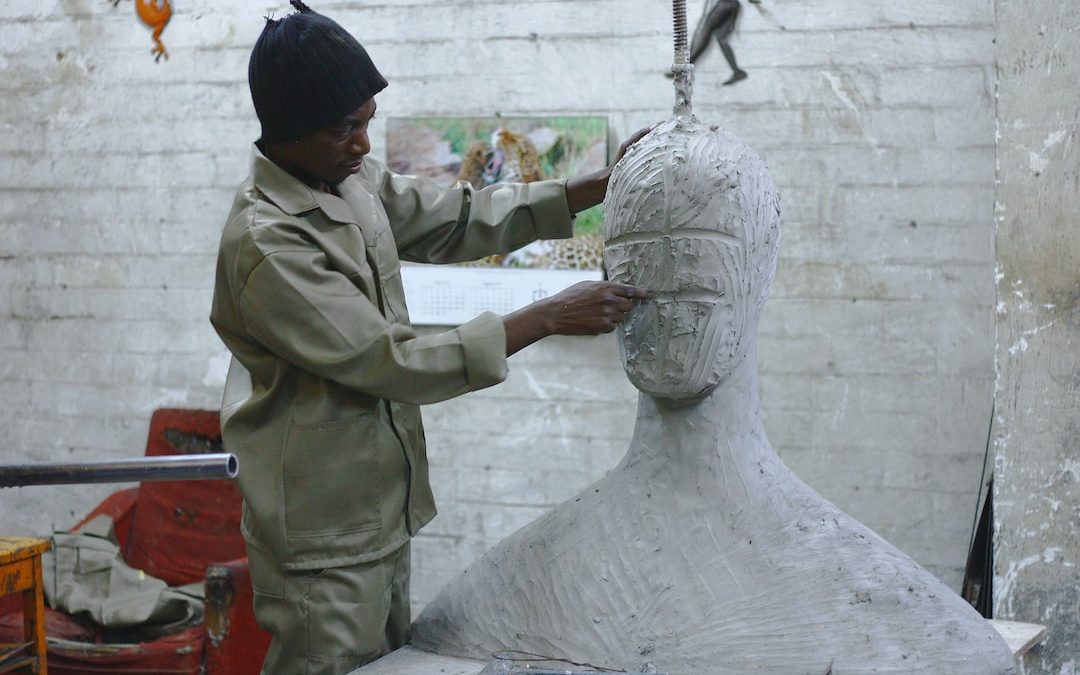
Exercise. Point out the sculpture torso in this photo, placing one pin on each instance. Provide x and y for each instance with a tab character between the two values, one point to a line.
701	553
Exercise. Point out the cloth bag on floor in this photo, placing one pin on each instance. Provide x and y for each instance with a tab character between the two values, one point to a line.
85	576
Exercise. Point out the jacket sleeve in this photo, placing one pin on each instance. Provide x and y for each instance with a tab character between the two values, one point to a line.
316	318
446	225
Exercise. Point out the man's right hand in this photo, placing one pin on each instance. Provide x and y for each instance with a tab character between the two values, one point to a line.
592	307
586	308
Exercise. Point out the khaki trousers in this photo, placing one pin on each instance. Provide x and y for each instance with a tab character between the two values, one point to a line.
331	621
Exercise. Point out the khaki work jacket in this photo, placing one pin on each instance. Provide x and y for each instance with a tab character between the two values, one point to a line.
321	401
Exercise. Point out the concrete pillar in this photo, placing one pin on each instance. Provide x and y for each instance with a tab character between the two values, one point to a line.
1037	438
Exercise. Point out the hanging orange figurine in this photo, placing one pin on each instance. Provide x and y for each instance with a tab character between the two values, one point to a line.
156	16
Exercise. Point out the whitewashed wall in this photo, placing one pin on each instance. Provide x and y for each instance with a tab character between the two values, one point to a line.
877	346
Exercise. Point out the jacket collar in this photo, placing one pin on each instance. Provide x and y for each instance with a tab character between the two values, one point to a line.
292	195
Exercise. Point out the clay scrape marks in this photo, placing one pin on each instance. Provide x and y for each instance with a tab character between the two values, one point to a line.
644	236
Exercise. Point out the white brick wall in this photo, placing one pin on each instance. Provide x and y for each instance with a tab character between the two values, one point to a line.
877	346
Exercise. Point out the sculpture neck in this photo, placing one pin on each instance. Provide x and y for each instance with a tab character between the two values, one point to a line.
719	435
684	87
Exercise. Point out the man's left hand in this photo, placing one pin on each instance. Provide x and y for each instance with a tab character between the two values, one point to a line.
589	190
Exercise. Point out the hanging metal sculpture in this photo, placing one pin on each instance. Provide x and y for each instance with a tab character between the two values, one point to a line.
719	21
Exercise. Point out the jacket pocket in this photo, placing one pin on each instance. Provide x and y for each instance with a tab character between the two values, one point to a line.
267	579
329	469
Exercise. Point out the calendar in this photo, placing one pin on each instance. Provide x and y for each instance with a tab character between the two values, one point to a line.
450	295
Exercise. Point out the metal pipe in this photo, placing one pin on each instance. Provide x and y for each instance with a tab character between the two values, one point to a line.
165	467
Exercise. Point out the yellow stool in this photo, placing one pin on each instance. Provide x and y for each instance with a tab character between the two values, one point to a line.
20	571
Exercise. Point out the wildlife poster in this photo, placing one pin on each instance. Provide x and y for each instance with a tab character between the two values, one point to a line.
488	150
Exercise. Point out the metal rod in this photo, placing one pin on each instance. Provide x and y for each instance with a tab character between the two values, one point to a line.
682	50
682	69
15	657
165	467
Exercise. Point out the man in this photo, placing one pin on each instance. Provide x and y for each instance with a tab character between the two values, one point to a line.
719	20
321	400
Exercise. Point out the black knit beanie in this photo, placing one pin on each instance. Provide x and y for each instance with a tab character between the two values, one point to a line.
306	72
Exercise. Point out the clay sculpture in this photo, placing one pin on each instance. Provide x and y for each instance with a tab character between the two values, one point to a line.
701	552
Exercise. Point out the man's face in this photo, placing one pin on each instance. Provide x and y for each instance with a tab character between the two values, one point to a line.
328	156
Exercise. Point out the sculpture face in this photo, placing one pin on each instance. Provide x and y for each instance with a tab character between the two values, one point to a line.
693	217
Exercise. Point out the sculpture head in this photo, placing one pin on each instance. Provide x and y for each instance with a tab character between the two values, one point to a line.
692	214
